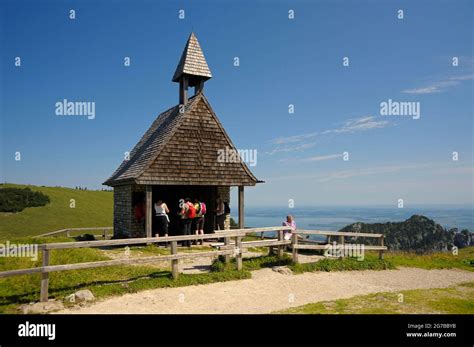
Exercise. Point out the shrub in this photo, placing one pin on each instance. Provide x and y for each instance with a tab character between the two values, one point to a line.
85	237
17	199
345	264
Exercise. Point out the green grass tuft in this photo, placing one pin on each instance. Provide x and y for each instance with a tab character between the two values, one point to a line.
345	264
458	299
440	260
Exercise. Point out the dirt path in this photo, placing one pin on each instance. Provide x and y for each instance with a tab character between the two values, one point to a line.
270	291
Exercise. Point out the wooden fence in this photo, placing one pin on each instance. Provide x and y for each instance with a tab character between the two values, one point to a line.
227	249
68	232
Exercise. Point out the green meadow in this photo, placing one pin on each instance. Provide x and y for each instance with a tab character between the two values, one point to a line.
92	209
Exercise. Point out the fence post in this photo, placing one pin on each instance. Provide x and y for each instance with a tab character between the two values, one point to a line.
105	234
294	245
227	243
280	247
238	258
174	262
68	233
381	244
341	243
44	278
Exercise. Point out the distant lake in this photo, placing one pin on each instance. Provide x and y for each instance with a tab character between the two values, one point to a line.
335	218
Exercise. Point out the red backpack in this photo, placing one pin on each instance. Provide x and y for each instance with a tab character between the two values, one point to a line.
191	213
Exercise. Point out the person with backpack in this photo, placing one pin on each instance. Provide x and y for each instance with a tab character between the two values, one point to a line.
201	210
220	213
187	213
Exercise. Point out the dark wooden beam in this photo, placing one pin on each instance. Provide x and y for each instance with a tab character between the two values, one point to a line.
149	210
241	207
199	87
183	90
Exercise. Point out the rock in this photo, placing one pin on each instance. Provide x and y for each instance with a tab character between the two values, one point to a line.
84	295
284	270
42	307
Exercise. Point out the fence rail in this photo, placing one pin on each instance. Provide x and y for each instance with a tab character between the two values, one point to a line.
69	230
226	249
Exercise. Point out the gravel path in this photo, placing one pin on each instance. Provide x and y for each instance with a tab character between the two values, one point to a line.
270	291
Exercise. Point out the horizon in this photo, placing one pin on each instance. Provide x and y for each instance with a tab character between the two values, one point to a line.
233	202
300	63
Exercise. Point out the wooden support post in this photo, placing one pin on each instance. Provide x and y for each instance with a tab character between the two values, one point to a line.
45	278
381	244
238	258
68	233
148	213
183	91
174	262
341	244
280	248
294	244
241	207
227	257
105	234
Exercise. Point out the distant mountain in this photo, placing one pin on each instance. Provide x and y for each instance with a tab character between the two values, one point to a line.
417	233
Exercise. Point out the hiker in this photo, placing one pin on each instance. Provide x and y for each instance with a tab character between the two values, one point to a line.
187	213
162	219
200	207
220	213
290	222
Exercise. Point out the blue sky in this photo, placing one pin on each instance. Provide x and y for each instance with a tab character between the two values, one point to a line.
282	62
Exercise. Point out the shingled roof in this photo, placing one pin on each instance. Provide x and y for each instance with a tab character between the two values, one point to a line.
182	148
192	62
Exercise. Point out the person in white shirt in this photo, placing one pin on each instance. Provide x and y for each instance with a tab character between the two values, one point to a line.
162	219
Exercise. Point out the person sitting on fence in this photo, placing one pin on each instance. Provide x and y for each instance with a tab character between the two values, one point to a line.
187	213
200	207
162	219
290	222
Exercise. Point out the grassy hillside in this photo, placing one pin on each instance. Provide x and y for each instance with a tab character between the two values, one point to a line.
93	209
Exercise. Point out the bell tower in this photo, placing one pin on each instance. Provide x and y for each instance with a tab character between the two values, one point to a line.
192	69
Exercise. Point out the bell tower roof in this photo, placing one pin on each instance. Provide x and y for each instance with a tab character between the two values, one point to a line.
192	64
